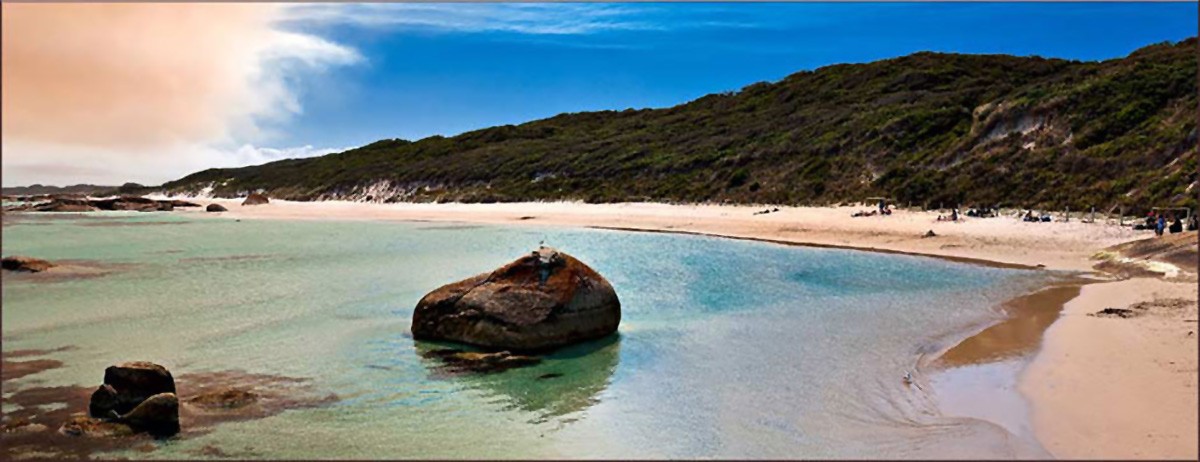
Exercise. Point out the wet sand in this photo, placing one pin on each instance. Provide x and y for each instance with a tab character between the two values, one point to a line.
1119	388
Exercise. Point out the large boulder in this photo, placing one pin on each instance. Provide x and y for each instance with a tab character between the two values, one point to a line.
543	300
127	385
215	208
255	199
25	264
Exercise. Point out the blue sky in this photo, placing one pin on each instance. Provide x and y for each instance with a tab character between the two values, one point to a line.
449	68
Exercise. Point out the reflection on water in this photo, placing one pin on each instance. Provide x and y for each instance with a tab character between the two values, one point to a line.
566	381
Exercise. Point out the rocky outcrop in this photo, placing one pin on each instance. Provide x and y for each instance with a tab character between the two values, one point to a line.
25	264
61	203
138	394
256	199
64	205
543	300
215	208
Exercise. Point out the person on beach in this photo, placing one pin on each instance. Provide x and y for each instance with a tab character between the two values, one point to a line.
1160	225
1176	226
953	214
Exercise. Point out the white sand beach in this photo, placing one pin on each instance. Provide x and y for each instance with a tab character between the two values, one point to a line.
1061	246
1074	382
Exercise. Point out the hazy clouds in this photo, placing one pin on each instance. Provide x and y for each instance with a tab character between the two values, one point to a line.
146	92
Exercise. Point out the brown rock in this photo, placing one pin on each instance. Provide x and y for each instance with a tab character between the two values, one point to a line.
91	427
65	205
255	199
25	264
228	398
215	208
158	415
543	300
126	385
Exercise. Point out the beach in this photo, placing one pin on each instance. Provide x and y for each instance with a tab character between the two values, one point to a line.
1098	387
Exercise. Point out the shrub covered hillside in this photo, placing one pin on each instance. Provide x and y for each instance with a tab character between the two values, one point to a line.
926	128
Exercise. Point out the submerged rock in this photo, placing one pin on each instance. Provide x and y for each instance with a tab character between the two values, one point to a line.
473	361
91	427
215	208
256	199
543	300
228	398
25	264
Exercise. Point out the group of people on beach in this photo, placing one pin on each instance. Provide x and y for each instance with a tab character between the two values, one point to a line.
1164	222
882	209
1030	217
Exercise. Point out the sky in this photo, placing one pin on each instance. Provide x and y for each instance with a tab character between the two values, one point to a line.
109	93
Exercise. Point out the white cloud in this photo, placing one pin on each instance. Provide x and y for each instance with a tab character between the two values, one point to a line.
521	18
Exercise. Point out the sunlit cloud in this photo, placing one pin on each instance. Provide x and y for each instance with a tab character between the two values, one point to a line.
122	87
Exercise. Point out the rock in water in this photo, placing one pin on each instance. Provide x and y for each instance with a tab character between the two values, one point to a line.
255	199
215	208
158	415
65	205
226	398
540	301
25	264
127	385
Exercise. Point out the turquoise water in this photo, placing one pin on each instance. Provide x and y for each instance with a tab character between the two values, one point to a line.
726	348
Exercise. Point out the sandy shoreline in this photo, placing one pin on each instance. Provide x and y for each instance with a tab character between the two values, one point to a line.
1059	246
1098	387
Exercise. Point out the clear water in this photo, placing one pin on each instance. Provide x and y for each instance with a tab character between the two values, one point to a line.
726	348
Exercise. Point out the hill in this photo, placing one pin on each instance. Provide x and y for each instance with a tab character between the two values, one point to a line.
927	128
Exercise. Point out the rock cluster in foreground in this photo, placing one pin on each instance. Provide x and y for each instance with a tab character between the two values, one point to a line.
135	397
544	300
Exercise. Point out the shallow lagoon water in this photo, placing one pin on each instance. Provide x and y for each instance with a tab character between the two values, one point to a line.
727	349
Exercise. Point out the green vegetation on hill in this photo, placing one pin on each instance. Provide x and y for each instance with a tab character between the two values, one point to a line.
927	128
